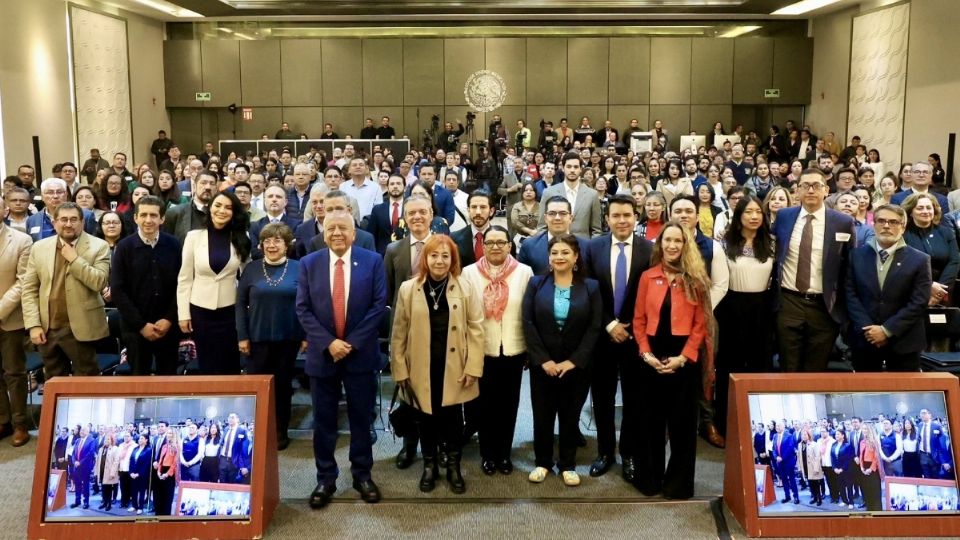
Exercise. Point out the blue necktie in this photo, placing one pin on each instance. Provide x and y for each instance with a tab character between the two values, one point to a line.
884	254
620	280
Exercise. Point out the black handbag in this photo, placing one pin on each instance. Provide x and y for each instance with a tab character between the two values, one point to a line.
404	416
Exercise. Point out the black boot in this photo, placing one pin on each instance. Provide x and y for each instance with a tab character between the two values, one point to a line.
430	473
454	477
408	453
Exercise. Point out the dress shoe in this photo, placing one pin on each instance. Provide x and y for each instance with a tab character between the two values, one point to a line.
581	440
74	505
283	441
102	506
712	436
796	501
629	469
321	495
428	481
785	501
108	507
369	491
86	507
489	467
5	430
454	476
601	465
408	453
20	436
505	466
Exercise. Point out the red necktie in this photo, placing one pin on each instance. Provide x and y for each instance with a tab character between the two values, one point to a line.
339	309
395	218
478	247
779	442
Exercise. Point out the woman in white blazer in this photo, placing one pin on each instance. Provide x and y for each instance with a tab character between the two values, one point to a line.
207	284
502	281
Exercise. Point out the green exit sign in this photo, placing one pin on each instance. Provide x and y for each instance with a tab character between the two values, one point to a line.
768	93
203	96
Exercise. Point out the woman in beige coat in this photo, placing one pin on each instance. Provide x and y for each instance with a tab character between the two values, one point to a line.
107	469
437	353
811	465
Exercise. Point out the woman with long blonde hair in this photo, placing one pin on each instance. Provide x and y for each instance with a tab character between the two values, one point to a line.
671	324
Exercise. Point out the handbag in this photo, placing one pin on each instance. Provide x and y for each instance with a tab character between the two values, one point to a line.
404	416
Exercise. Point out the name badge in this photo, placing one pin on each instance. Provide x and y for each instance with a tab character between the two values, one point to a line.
843	237
35	230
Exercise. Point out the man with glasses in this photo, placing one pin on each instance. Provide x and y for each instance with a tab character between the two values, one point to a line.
813	246
54	193
922	177
534	252
887	289
62	307
27	176
18	205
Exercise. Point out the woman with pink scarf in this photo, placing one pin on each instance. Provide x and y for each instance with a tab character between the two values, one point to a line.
503	281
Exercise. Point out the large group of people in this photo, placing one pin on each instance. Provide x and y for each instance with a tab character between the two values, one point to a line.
138	467
664	270
844	462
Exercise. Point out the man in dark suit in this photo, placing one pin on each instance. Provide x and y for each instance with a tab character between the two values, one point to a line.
299	195
235	453
143	283
60	449
558	216
306	231
616	261
760	445
931	446
84	456
922	177
784	457
274	203
341	317
887	291
183	218
469	240
338	201
813	246
441	197
386	216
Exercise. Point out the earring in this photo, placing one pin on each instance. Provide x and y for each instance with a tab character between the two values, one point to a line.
575	267
550	267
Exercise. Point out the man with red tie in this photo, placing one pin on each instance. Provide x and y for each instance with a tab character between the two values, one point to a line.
469	240
341	300
84	455
784	457
385	217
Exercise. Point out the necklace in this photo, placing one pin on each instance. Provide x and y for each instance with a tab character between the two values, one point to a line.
437	293
279	280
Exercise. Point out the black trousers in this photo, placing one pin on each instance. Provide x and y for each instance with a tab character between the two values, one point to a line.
557	399
163	495
870	486
816	489
109	493
142	353
833	483
745	344
443	427
498	404
874	359
276	358
669	405
806	332
126	489
13	383
615	362
215	334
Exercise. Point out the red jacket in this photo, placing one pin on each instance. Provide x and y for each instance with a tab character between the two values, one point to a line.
687	318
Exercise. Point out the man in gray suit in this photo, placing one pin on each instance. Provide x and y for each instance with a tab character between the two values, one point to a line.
583	199
191	216
338	201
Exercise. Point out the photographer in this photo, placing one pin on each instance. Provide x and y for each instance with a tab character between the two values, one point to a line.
548	137
522	137
494	127
449	139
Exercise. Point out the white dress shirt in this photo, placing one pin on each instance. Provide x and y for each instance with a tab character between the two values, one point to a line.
571	194
346	276
789	279
749	275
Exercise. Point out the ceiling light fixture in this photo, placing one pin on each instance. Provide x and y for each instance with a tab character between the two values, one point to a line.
738	31
168	8
804	6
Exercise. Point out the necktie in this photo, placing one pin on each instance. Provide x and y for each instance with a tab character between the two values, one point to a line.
926	437
620	280
478	247
339	307
803	261
395	217
228	446
80	449
779	442
416	258
884	255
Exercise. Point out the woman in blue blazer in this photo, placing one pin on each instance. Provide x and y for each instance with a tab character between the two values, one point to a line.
562	317
140	474
842	453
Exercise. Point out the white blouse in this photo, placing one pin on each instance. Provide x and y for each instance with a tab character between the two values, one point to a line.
508	332
749	275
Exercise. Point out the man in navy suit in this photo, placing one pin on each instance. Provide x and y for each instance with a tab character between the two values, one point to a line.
887	291
299	195
341	316
922	177
558	214
784	457
235	453
275	203
386	216
616	261
54	192
933	452
813	246
760	445
441	197
84	456
469	239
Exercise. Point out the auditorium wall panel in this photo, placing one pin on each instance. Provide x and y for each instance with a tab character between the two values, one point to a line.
259	83
629	70
220	60
752	69
711	80
341	72
670	64
508	58
383	74
301	72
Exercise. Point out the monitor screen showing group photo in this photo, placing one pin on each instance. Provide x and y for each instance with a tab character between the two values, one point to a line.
151	458
847	453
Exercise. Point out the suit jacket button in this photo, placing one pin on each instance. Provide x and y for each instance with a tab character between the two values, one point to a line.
453	349
453	327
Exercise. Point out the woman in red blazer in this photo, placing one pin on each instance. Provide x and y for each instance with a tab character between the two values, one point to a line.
165	474
670	330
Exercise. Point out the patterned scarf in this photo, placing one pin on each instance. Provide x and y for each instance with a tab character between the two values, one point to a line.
497	292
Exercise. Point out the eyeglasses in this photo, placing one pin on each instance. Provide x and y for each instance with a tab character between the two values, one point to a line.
495	243
68	220
54	192
809	186
557	213
922	172
887	222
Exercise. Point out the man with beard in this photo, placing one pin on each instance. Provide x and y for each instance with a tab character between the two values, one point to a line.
385	217
192	216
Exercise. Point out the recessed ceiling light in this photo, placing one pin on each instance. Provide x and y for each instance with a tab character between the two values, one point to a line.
804	6
168	8
738	31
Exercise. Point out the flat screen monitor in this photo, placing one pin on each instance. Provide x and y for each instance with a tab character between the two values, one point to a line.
692	142
641	141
